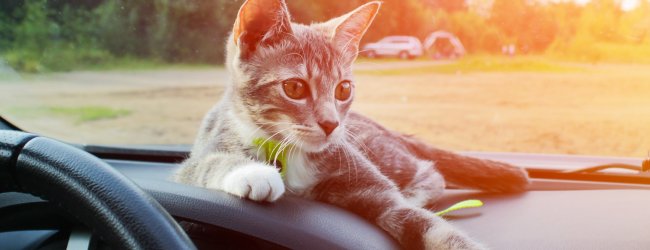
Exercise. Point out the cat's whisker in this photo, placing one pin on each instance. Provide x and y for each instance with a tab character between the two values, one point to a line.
347	161
267	139
358	142
300	147
362	51
291	150
261	125
350	158
283	145
347	165
354	165
340	162
274	123
278	148
297	149
252	134
303	128
356	168
286	142
292	147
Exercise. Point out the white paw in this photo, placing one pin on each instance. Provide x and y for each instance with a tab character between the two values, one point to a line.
444	236
255	181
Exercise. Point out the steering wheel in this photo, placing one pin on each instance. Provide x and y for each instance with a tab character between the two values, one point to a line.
98	196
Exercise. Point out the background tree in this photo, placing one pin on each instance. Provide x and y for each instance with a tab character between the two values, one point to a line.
42	35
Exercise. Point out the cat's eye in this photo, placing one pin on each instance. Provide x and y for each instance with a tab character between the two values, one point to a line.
343	91
295	88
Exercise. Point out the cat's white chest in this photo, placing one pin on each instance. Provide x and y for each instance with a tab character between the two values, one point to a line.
299	175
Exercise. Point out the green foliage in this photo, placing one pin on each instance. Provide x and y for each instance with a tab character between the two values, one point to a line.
67	37
35	30
6	30
88	113
40	43
603	32
473	30
42	35
396	17
77	114
167	30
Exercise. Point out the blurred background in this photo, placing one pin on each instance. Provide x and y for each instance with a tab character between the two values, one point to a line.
539	76
59	35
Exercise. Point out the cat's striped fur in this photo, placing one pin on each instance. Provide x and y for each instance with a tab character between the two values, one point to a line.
379	174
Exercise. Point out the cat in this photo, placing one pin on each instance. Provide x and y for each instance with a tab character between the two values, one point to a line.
293	84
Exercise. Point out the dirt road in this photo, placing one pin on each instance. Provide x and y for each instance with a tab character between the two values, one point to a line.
601	110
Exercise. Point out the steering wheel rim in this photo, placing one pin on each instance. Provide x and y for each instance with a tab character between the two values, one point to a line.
100	197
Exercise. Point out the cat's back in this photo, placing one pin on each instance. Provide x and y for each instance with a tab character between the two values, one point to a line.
219	132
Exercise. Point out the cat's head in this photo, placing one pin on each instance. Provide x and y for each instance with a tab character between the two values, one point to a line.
292	81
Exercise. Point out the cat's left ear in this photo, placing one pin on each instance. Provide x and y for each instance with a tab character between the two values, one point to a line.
261	22
351	27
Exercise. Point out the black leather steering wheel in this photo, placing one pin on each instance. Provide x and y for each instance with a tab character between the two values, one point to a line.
97	195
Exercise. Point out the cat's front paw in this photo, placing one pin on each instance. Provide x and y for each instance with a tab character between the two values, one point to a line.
255	181
445	236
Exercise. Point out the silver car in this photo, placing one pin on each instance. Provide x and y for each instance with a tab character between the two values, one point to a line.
403	47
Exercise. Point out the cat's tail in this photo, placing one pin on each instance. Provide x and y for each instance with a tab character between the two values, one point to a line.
468	172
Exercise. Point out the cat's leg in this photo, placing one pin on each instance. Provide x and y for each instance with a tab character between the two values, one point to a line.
234	174
426	186
417	179
469	172
373	196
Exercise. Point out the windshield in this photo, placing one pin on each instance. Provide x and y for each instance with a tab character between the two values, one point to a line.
536	76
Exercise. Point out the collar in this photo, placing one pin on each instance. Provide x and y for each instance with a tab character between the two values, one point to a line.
274	154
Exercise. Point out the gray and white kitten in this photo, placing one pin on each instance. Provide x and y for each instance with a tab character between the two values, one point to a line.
293	83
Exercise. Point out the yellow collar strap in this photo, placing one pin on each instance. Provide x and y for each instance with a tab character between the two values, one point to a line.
275	154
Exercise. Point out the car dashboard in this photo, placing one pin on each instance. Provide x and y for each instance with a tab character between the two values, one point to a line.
554	214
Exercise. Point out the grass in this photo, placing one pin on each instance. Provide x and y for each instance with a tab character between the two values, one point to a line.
78	114
602	52
25	61
473	64
89	113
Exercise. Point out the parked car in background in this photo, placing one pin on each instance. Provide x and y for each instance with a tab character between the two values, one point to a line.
403	47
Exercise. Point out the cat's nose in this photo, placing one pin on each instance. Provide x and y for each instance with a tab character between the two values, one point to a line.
328	126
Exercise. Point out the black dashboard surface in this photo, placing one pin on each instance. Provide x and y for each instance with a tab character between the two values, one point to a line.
290	222
585	216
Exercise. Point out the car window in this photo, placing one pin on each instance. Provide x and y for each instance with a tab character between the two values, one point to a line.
387	40
534	76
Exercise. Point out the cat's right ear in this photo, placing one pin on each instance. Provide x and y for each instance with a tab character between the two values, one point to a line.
261	22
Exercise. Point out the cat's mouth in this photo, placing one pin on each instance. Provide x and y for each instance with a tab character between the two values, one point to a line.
313	142
306	138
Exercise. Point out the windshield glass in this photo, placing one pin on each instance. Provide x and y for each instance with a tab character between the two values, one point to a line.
536	76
